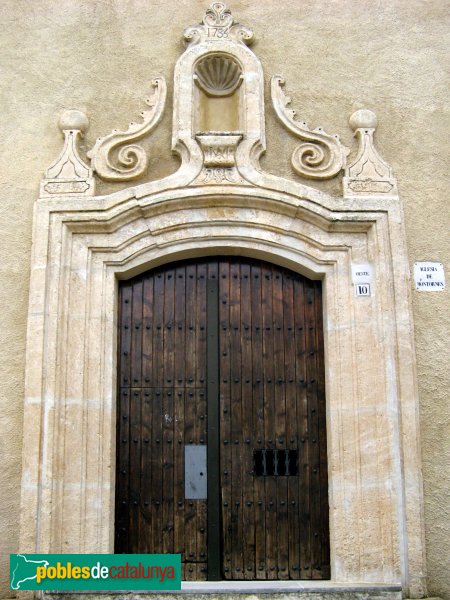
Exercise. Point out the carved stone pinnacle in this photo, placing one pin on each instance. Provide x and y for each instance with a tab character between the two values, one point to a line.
368	174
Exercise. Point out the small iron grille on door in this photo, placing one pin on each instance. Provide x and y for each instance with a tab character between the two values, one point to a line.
271	462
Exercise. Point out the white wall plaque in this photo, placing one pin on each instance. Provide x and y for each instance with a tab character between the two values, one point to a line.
362	275
362	289
429	276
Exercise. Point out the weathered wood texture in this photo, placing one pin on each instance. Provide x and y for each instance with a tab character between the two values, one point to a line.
271	394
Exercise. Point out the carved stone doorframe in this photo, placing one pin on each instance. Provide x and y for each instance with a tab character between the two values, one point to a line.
221	202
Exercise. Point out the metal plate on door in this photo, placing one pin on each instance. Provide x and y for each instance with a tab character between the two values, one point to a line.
195	478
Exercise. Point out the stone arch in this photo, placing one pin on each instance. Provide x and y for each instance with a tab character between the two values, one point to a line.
68	485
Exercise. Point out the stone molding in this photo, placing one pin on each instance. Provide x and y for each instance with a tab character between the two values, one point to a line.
81	247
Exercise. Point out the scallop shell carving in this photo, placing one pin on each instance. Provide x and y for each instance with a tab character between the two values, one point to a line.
218	75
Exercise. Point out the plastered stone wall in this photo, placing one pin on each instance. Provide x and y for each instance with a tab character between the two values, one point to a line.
337	56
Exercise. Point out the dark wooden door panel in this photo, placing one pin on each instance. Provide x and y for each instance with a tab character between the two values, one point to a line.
271	470
162	391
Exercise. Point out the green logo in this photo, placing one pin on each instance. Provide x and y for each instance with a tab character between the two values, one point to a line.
95	571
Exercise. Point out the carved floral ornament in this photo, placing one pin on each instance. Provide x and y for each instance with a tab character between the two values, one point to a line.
219	64
218	24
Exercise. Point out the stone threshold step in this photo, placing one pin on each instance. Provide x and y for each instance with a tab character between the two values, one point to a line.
247	590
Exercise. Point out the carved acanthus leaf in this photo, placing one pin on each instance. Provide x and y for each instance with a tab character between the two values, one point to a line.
218	24
322	156
114	157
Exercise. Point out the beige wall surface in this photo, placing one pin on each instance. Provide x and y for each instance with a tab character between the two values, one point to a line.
337	56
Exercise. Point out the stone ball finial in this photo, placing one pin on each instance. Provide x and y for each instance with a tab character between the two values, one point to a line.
73	119
363	119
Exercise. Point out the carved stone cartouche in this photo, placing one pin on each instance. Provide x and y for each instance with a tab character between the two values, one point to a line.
219	152
218	24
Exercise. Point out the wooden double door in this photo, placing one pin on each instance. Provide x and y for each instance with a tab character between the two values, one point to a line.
221	434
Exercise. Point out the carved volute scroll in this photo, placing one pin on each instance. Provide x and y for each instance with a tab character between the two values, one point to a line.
115	157
322	156
368	174
69	174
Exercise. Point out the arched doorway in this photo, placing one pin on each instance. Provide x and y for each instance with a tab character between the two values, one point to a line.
230	348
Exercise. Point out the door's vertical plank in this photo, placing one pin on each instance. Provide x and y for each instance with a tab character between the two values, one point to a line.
158	330
178	436
168	328
236	420
225	410
304	447
156	466
200	312
135	471
147	328
168	470
126	305
201	410
314	388
190	522
146	471
157	416
258	419
122	530
282	532
202	505
135	413
136	335
247	440
311	372
213	567
146	415
191	325
168	410
291	423
269	419
324	533
179	399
